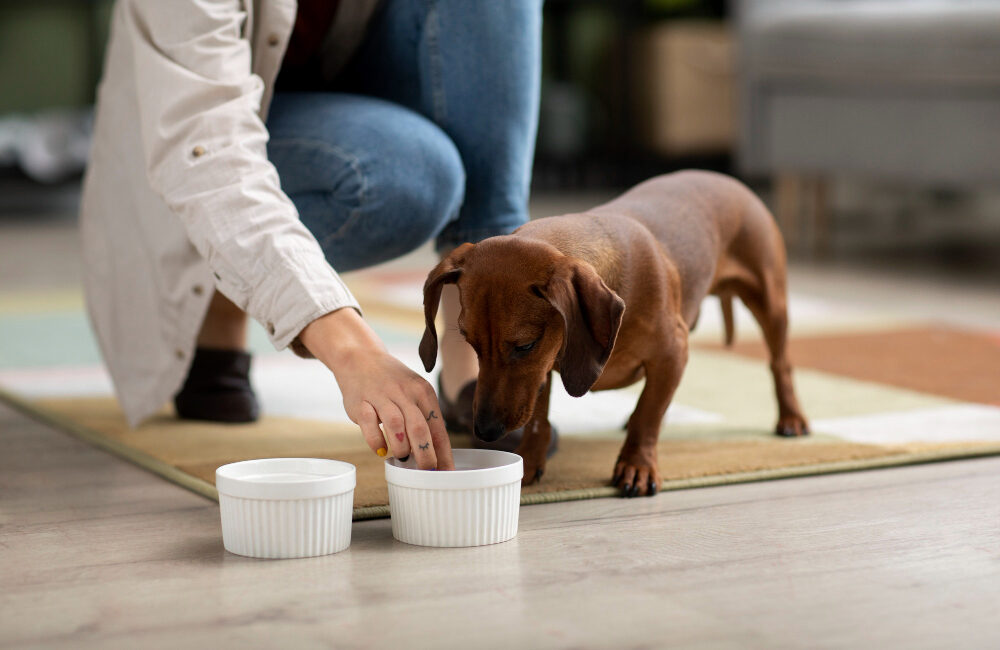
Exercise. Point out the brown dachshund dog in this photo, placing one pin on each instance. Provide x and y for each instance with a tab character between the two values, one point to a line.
607	297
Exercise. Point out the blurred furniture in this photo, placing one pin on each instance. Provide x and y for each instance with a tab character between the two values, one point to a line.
890	89
602	60
584	132
685	78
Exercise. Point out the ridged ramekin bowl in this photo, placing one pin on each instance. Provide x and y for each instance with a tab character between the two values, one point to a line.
286	507
474	505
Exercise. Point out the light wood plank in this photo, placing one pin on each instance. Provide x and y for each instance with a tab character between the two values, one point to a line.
95	552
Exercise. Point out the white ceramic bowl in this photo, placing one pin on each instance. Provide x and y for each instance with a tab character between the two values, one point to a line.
473	505
286	507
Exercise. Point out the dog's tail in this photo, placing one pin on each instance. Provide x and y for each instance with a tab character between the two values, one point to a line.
726	300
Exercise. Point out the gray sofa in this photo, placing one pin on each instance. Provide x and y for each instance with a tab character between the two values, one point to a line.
889	89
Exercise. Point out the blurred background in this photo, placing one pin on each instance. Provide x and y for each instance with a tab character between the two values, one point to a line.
871	127
872	130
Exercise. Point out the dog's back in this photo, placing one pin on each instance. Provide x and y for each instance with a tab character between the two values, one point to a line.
705	224
704	220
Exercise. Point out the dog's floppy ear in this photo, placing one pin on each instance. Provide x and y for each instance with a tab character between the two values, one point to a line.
446	272
592	314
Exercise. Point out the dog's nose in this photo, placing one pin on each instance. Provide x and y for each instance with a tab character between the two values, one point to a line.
488	428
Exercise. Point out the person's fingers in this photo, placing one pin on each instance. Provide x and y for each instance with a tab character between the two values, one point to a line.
394	426
368	421
439	434
420	436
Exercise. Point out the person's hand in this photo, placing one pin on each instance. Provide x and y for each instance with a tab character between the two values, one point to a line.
380	389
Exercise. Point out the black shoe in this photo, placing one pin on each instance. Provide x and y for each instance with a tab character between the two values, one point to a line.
458	419
218	388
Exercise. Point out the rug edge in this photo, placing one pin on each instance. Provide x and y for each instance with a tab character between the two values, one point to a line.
99	440
361	513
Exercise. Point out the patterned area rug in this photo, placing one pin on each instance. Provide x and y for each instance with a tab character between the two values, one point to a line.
877	393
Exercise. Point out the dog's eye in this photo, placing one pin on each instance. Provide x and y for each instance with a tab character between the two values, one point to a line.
525	348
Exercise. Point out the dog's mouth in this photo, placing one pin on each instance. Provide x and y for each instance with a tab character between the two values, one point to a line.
493	421
489	432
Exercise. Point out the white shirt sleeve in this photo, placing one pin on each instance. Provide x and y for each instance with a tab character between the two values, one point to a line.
205	151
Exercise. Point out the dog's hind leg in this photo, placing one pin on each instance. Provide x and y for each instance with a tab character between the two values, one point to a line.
768	303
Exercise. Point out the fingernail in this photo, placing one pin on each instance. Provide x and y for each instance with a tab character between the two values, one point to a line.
382	452
404	458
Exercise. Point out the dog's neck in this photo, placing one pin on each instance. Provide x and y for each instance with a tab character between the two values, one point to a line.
600	249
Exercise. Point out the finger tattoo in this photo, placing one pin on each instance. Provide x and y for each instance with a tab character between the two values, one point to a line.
432	416
425	446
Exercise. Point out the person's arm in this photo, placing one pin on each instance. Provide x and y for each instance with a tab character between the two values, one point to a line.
205	152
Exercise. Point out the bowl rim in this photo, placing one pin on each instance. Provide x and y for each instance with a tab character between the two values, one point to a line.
505	468
321	477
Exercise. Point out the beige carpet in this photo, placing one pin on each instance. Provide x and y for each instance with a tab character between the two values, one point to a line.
188	453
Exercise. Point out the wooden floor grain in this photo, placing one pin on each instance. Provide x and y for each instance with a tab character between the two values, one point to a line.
97	553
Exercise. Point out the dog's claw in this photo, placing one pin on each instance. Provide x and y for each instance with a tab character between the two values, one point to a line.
791	426
532	476
636	476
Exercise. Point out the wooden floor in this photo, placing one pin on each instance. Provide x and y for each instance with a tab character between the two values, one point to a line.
95	552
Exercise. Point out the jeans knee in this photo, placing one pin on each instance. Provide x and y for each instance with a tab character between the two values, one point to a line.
426	187
414	185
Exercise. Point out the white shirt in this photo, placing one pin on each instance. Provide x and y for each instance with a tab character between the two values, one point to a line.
180	199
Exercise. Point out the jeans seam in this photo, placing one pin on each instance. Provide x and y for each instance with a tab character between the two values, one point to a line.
432	28
355	165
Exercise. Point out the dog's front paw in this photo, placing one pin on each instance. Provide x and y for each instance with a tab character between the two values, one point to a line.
636	474
791	426
533	472
534	477
534	462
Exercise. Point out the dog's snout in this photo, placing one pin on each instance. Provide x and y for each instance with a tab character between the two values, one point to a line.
488	427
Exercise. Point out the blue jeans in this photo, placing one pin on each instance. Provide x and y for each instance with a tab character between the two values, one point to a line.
428	133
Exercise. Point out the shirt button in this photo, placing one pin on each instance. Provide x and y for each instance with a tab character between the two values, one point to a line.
270	329
217	276
273	40
179	353
198	151
197	289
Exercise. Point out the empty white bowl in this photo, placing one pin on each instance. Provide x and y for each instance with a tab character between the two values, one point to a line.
473	505
286	507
